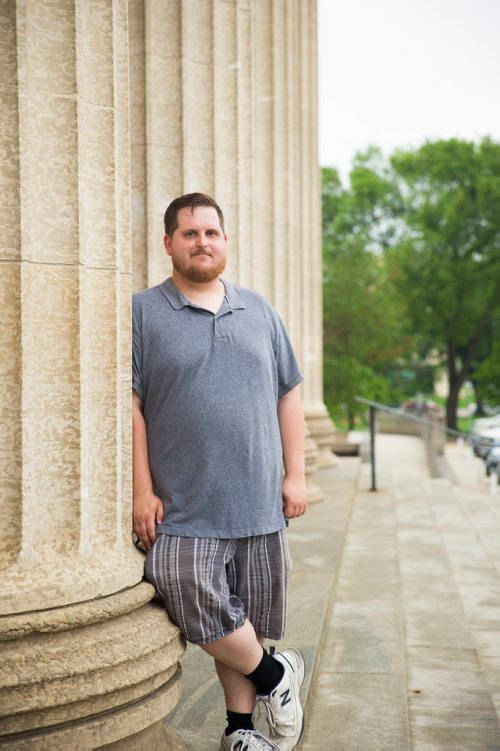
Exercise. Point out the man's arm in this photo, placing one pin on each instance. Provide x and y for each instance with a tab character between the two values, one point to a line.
148	508
292	429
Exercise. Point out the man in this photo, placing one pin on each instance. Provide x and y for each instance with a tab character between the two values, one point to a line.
216	415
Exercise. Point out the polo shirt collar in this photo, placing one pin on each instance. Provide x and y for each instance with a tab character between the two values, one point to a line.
177	300
233	296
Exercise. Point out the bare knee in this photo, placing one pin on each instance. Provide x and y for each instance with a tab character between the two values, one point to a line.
240	650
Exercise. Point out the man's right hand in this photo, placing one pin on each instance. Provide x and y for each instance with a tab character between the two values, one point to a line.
148	510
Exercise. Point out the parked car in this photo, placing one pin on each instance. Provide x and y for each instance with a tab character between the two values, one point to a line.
483	440
420	406
493	459
484	423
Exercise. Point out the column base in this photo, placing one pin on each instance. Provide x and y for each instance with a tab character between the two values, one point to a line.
314	492
323	431
88	675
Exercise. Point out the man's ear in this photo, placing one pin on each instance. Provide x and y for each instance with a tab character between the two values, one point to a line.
168	244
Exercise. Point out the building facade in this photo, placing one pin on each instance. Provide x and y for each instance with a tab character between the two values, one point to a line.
109	110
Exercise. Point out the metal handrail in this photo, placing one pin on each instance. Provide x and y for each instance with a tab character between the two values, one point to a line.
374	406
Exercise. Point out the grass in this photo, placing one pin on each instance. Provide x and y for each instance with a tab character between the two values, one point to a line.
464	424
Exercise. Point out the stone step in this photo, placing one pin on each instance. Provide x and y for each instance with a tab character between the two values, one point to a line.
469	523
410	661
316	541
360	695
450	701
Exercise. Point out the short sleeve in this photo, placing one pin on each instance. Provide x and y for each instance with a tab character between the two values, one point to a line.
137	382
289	374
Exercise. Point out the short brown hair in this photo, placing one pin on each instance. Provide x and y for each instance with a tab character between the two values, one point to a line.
189	201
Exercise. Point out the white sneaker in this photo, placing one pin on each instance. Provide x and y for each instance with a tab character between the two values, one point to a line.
241	740
285	715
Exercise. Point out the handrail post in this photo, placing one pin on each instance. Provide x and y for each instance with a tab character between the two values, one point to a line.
374	406
372	447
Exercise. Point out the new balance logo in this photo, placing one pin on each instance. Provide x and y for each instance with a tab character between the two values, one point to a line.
285	697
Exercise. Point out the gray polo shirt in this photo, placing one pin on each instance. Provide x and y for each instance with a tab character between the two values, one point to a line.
210	385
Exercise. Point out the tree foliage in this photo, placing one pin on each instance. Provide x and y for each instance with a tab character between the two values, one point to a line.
362	336
412	266
449	259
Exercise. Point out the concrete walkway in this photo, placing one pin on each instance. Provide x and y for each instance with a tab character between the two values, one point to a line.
412	656
395	604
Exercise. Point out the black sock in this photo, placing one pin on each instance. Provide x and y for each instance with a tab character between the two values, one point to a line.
238	721
267	674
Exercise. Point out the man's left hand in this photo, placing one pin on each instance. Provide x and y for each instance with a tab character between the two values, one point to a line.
294	497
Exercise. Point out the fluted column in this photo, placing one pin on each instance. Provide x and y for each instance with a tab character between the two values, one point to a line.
244	231
138	143
75	666
288	204
293	212
279	208
225	143
10	295
317	417
263	147
157	134
232	124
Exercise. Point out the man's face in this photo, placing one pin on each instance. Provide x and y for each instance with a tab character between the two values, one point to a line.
198	245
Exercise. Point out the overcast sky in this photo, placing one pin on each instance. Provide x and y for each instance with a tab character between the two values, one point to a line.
395	72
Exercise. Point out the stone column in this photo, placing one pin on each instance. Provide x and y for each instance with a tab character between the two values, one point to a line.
233	124
138	143
278	206
86	660
318	420
157	130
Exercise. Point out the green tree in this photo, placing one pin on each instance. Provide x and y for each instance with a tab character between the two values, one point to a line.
486	369
448	264
362	332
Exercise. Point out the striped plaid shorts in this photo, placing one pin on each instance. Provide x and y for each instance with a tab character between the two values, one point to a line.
210	586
